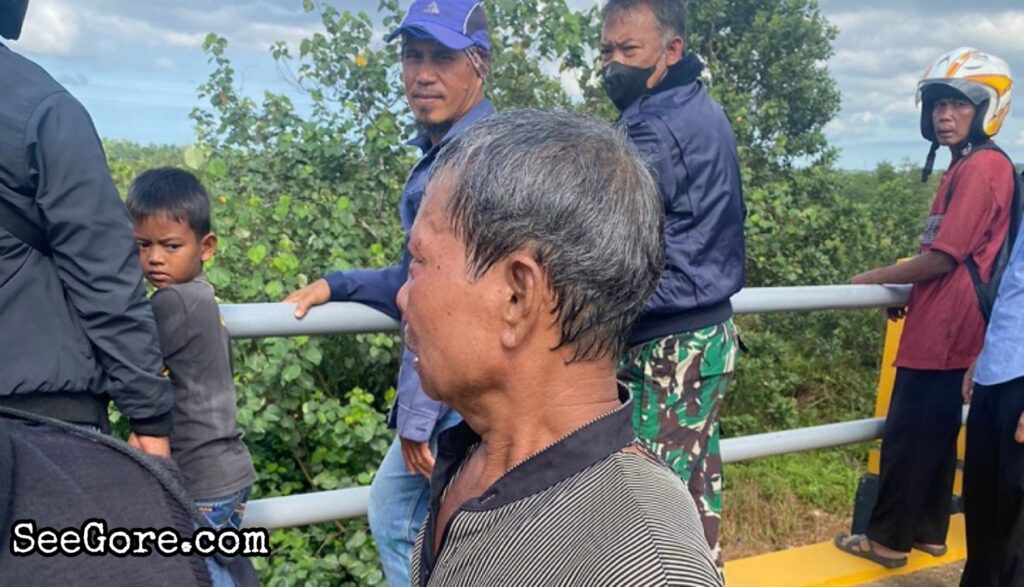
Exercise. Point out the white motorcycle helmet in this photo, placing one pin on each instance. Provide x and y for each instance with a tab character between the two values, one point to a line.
985	80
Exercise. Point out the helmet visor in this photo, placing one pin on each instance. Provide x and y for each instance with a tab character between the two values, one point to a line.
930	90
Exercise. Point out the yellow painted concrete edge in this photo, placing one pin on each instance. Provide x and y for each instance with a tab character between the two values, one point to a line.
823	565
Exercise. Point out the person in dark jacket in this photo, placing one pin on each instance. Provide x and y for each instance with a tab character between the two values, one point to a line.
94	485
445	61
682	349
75	330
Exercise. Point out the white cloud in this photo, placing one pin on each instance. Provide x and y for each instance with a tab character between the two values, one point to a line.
73	79
133	30
864	118
835	127
51	28
164	63
258	36
91	29
883	47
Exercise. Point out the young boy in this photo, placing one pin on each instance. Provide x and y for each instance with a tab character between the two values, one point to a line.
171	213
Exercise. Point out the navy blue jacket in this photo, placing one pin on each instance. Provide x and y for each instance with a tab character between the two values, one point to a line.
75	327
414	414
685	137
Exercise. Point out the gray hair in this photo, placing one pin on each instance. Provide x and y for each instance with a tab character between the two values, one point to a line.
670	14
574	192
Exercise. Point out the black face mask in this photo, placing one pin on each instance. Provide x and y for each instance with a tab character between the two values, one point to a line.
624	84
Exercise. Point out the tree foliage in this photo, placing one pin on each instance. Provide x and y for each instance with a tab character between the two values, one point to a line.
298	191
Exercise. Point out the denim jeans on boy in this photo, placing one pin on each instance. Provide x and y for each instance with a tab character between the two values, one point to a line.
398	505
219	513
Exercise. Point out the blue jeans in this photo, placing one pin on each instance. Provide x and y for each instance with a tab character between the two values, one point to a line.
398	505
220	513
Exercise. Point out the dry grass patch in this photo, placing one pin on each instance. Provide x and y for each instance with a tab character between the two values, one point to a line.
788	501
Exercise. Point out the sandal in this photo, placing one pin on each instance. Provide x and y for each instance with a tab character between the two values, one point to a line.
935	551
855	544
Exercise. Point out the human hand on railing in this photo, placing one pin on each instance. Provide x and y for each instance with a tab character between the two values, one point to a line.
417	455
314	294
967	389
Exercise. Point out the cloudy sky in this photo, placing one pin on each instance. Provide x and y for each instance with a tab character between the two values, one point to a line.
136	64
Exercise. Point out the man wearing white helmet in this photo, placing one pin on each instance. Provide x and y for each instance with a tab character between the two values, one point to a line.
964	98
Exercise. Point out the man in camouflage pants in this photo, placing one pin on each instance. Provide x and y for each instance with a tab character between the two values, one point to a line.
677	384
683	347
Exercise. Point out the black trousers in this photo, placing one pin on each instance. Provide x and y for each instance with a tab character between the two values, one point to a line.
994	488
918	459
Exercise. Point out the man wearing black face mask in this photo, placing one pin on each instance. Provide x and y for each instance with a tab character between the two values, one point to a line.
683	347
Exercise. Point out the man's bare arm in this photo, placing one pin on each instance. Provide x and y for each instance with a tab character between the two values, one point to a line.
924	267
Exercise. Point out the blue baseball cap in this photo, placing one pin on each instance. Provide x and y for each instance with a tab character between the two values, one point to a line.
456	24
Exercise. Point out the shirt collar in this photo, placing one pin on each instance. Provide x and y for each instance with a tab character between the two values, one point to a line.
577	451
482	109
683	73
580	449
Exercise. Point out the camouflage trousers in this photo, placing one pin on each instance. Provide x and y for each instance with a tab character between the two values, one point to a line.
677	384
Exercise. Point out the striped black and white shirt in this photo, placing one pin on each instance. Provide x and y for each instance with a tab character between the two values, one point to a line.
593	509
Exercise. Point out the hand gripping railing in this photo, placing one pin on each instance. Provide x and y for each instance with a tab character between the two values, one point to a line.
265	320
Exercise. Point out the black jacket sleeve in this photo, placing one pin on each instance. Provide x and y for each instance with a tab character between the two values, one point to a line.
94	252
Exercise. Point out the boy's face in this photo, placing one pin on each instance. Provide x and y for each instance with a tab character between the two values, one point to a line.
170	251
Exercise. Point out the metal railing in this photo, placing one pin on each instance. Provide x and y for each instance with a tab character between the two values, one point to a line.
267	320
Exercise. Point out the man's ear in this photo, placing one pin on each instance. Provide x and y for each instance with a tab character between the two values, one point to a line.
525	302
208	246
674	51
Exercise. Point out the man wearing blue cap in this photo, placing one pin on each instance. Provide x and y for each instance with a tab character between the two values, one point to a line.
445	60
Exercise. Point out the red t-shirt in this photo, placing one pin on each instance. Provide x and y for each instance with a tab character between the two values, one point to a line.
944	326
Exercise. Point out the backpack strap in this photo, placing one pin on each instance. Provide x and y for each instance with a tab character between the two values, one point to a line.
987	146
986	292
12	220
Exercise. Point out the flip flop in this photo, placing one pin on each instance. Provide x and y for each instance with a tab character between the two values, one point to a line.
932	550
854	544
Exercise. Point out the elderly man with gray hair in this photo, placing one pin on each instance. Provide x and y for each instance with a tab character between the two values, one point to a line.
537	244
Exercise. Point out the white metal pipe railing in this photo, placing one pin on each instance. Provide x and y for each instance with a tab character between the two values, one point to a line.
307	508
265	320
325	506
756	446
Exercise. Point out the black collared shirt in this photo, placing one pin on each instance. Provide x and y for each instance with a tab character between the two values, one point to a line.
595	508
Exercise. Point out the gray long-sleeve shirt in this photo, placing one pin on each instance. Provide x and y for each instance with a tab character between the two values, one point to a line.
74	327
